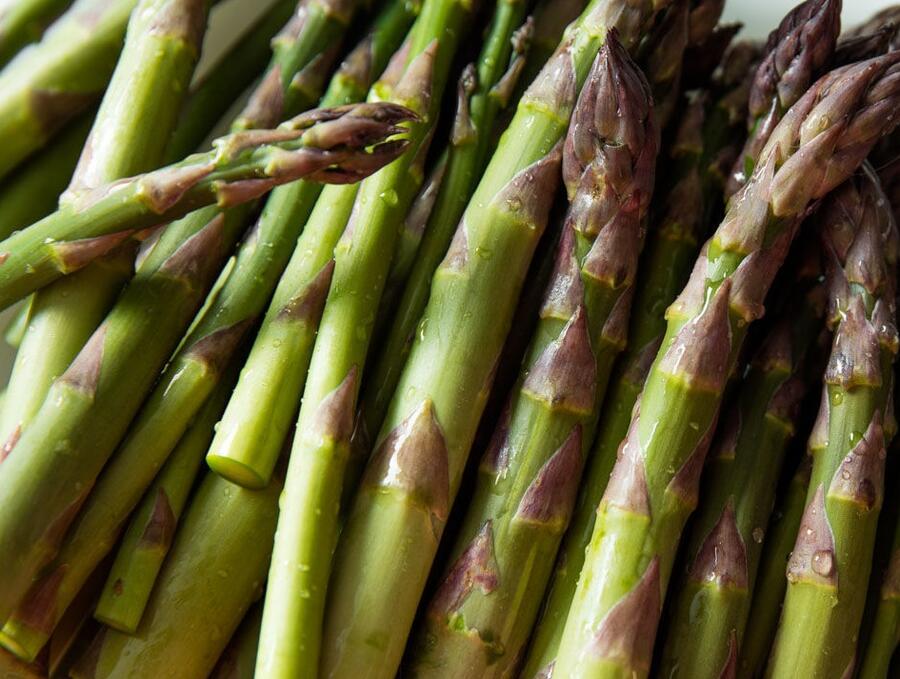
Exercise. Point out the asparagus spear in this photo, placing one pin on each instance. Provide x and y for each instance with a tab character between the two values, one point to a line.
477	113
90	405
712	600
885	633
398	516
152	526
688	207
793	57
662	60
529	476
23	21
292	618
238	660
213	574
15	327
653	488
54	80
828	571
768	591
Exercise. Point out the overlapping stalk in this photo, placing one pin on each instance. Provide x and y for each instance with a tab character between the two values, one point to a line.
824	137
885	633
482	96
706	132
399	514
92	404
212	576
54	80
238	660
295	599
828	570
713	595
795	54
24	21
528	479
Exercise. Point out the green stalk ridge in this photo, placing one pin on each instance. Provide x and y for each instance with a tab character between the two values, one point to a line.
89	408
259	414
828	570
653	488
291	635
189	619
412	478
713	594
529	475
689	203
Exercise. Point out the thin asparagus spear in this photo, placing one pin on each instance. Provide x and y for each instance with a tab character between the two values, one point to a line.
885	633
238	660
654	484
689	206
152	526
54	80
529	476
794	55
399	514
295	600
768	591
712	600
213	574
23	21
828	571
155	69
467	156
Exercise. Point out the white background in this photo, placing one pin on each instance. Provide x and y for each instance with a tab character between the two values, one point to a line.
758	16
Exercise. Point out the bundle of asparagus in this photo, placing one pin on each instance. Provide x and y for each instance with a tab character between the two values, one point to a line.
330	352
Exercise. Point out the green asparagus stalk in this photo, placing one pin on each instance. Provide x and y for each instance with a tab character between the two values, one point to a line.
794	55
828	571
161	50
16	326
768	591
712	599
885	633
529	476
238	661
292	618
490	83
54	80
689	206
213	574
399	514
824	137
24	21
147	539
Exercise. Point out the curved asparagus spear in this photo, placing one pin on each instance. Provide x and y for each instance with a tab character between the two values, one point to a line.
690	202
794	55
301	565
399	514
885	633
653	489
54	80
529	476
712	599
24	21
828	571
488	89
227	537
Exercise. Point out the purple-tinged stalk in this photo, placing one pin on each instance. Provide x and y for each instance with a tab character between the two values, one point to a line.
528	479
828	570
653	489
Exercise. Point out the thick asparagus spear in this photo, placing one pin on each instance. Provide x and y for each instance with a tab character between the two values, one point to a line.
794	55
529	476
24	21
885	633
653	489
828	571
54	80
238	660
152	526
213	574
689	206
292	617
712	600
398	516
467	155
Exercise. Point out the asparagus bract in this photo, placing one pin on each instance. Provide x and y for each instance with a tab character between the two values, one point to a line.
295	600
828	571
654	484
409	485
529	476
